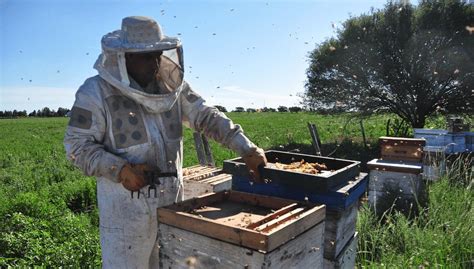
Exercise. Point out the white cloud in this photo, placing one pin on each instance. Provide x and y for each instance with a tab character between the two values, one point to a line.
232	96
35	97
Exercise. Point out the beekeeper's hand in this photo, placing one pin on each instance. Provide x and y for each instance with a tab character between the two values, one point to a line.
254	159
132	176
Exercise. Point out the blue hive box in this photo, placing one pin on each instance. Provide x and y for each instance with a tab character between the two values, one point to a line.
337	198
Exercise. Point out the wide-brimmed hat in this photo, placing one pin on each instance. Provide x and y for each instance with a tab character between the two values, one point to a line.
139	34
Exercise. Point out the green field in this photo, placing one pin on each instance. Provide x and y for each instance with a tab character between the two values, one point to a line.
49	216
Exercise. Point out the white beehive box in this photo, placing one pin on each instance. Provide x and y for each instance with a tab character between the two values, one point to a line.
397	185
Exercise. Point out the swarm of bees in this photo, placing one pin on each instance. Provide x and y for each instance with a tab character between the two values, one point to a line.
302	167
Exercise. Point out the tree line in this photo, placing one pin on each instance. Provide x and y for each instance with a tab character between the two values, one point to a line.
293	109
45	112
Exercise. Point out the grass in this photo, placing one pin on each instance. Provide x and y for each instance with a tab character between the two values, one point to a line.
442	236
48	214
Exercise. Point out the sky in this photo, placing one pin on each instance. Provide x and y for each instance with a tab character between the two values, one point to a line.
237	53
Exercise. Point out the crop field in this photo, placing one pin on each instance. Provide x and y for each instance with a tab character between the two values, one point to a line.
49	216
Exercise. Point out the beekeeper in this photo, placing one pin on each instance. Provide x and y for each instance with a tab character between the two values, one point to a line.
127	122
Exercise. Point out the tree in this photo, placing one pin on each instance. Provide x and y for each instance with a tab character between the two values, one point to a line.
62	112
239	109
294	109
282	109
46	112
220	108
412	61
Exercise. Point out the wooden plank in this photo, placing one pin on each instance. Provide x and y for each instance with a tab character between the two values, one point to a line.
207	151
292	228
208	227
198	202
201	172
223	180
199	148
314	140
218	177
363	134
183	250
261	200
274	215
285	218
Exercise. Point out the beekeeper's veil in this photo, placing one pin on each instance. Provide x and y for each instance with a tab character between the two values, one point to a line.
142	34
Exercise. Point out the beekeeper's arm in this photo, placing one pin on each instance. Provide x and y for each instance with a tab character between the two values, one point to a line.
214	124
84	137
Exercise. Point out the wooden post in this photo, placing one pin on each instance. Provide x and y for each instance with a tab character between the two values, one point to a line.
363	134
199	148
207	150
387	128
314	139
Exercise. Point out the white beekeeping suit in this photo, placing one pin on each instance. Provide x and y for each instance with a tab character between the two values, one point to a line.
114	122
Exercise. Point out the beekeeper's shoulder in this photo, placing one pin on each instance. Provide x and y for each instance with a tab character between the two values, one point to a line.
92	87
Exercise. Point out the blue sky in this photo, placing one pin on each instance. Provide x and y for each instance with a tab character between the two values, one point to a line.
237	53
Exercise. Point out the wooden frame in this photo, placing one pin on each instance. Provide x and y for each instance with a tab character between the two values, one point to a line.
285	220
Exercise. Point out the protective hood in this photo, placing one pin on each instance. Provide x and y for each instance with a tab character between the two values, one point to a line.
141	34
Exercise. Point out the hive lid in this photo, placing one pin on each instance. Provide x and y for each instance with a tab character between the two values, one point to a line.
395	166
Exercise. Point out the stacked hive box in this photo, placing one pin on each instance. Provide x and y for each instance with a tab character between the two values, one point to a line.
241	230
396	178
342	200
199	180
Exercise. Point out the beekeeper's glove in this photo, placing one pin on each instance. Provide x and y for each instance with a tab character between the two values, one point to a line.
253	159
132	176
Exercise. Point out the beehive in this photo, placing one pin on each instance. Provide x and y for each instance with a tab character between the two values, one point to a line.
396	185
241	230
341	207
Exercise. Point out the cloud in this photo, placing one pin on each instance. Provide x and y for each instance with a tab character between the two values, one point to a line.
232	96
35	97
